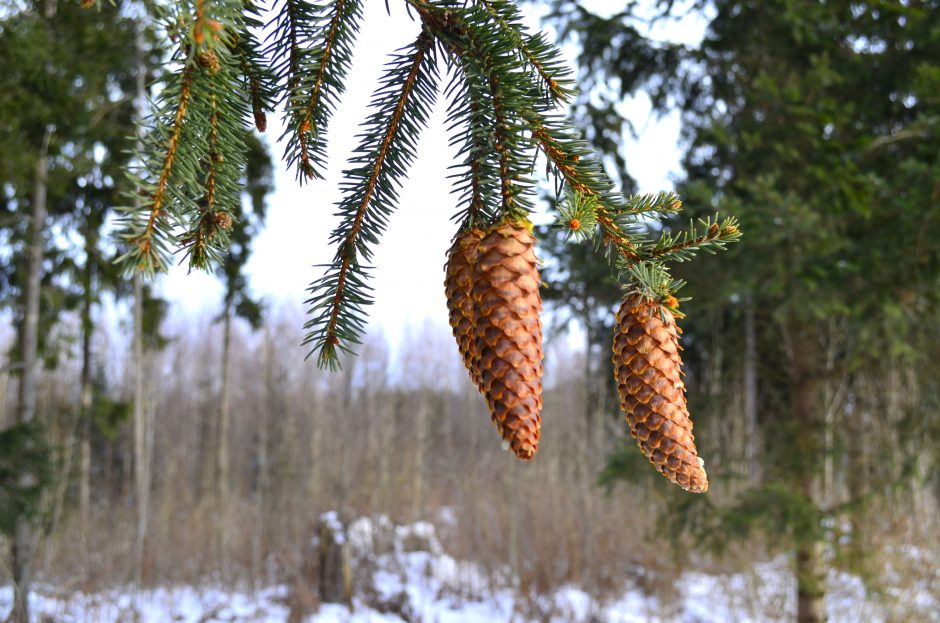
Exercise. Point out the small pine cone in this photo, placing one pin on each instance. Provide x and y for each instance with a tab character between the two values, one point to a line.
261	119
458	287
648	369
507	305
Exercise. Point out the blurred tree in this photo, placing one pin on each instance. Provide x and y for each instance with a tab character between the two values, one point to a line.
816	123
580	288
238	302
64	78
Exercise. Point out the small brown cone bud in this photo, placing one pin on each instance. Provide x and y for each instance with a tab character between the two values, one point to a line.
507	305
223	220
261	119
647	367
458	287
210	61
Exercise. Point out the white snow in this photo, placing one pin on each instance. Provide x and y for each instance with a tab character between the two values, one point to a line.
395	584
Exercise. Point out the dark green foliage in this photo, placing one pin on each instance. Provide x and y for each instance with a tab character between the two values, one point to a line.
85	100
626	464
188	184
815	124
154	312
25	473
110	415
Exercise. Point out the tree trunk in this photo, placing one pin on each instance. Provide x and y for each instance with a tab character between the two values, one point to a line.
857	475
223	427
810	566
261	485
24	539
420	441
751	442
141	464
335	571
84	489
811	583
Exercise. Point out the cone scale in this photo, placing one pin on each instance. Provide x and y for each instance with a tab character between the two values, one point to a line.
508	327
647	367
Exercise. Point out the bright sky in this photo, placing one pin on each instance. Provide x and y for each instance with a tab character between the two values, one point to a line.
408	278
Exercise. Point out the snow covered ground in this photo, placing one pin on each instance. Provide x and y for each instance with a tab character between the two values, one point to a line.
404	575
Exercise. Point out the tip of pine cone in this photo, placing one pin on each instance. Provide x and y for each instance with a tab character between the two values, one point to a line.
698	481
523	452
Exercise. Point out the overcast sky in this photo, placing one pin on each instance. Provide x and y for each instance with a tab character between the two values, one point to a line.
408	278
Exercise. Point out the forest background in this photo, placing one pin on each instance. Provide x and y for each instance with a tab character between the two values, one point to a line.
197	445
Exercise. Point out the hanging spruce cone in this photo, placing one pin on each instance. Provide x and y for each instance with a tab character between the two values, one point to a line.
507	305
647	367
458	287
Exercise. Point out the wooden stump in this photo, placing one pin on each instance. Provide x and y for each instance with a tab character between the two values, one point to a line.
335	579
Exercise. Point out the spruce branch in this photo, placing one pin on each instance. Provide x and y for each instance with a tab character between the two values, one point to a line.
713	236
577	215
306	122
501	135
147	253
220	163
544	59
507	85
201	104
661	203
652	281
257	76
495	72
311	51
471	109
588	179
402	105
469	32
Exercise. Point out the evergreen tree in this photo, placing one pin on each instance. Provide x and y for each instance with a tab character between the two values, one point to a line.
237	301
64	74
815	123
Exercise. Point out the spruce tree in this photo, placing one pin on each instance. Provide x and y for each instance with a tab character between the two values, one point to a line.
64	75
815	124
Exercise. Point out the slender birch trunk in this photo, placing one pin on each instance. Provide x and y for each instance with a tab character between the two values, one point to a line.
25	538
140	407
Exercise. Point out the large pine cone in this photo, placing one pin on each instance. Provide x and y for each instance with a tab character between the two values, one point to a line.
647	367
458	286
507	305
